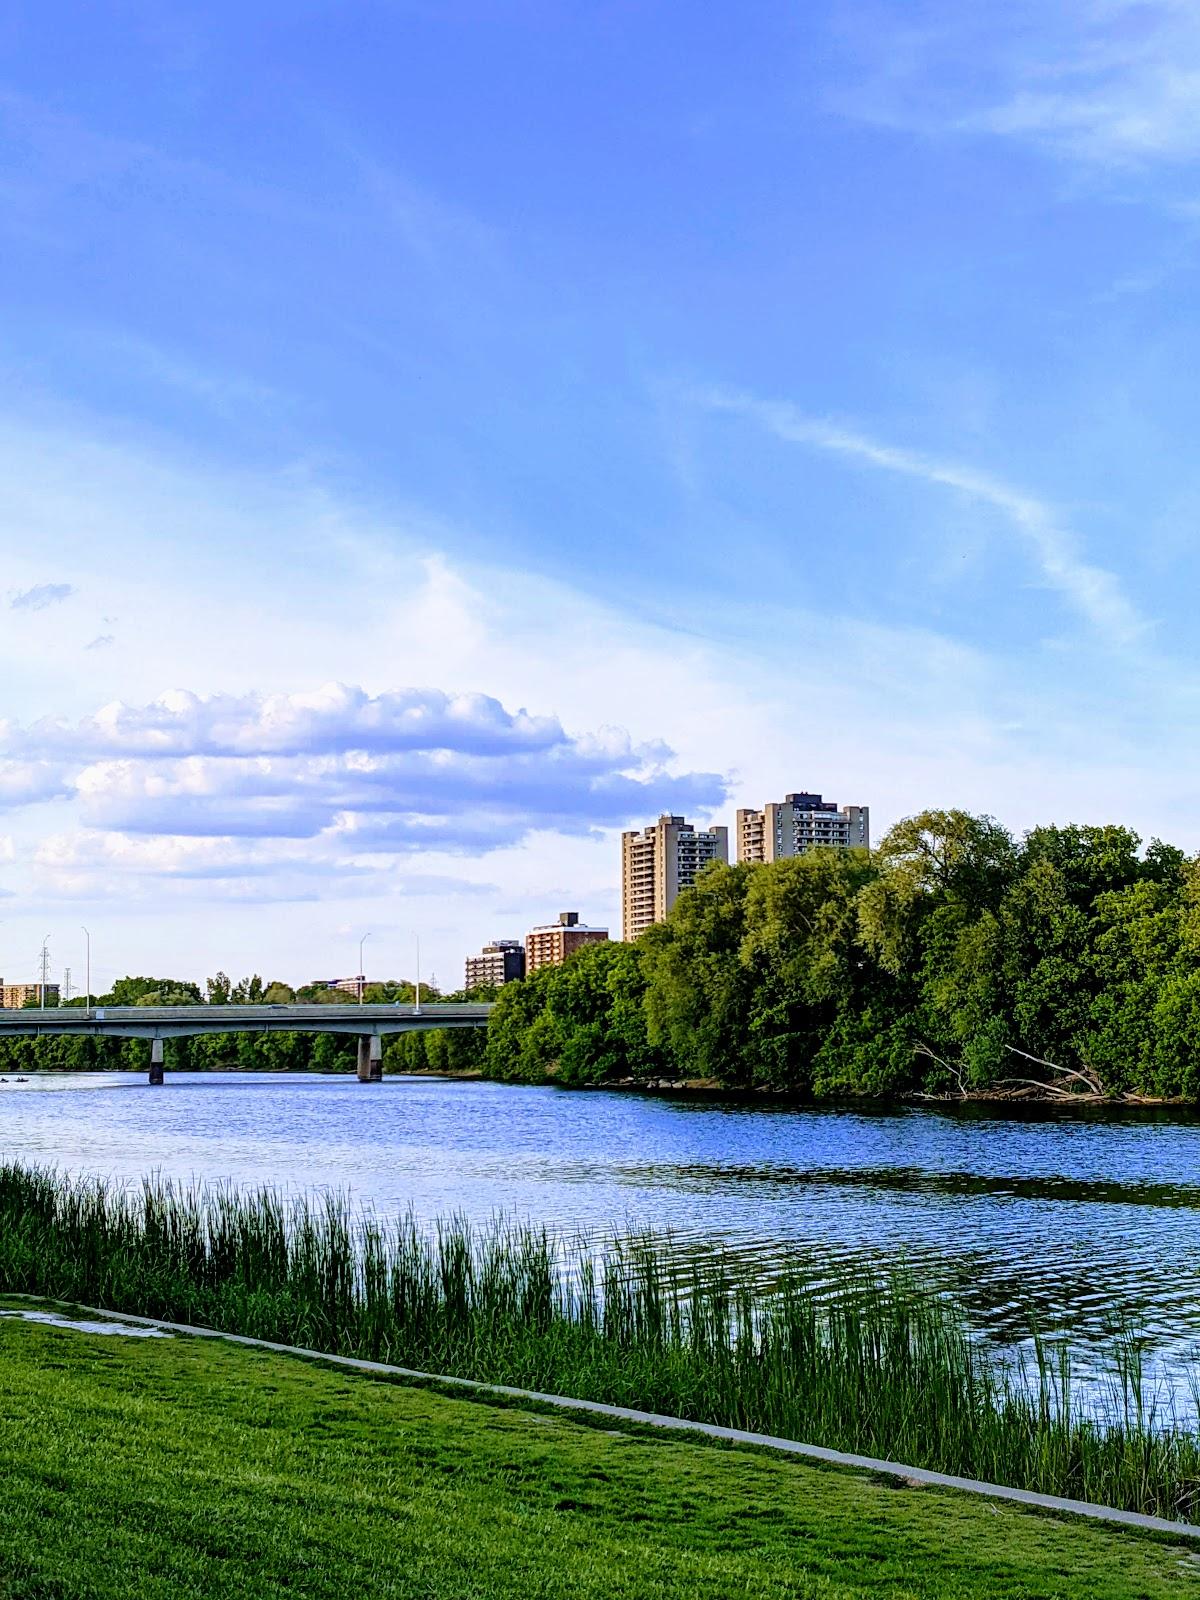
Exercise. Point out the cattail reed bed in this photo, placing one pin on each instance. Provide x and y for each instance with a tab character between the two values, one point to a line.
875	1366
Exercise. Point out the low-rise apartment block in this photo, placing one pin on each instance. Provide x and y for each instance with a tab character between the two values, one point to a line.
551	944
13	996
354	986
798	823
660	861
497	963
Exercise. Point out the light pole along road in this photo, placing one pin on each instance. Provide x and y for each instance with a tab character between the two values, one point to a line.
157	1023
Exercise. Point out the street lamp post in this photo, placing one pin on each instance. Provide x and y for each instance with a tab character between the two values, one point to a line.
362	978
418	1004
88	937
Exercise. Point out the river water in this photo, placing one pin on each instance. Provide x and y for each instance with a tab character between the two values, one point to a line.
1078	1218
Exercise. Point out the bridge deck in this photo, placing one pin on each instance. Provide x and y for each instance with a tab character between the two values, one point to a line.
179	1022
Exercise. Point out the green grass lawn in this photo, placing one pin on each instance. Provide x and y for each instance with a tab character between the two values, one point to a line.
179	1468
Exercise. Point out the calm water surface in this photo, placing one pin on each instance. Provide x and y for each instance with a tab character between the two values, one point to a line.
1083	1217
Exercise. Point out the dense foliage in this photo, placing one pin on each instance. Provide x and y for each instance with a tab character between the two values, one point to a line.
953	959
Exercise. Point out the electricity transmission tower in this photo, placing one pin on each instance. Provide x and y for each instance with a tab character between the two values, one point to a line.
45	969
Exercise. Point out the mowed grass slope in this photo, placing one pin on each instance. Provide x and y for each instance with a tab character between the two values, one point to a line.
180	1468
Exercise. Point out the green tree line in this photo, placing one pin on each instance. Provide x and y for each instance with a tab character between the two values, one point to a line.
954	959
435	1050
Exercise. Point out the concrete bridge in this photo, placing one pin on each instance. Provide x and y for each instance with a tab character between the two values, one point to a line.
157	1023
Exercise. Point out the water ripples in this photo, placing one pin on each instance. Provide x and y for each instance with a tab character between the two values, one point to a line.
1079	1221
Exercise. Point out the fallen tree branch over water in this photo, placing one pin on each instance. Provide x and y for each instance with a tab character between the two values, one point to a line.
1060	1087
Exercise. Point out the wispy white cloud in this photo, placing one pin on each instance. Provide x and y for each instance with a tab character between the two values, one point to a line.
1097	81
40	596
1095	593
90	863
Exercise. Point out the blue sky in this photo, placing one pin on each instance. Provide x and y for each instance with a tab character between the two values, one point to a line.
435	436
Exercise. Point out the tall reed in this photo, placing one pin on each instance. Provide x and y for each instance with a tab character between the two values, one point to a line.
876	1366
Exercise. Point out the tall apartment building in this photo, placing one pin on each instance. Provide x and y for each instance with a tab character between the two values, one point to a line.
660	861
748	829
798	823
551	944
496	964
15	995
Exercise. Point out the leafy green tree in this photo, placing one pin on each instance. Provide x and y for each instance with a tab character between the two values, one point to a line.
139	991
699	991
803	957
943	865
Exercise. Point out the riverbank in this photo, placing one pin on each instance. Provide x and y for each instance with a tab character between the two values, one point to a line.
858	1361
1025	1095
711	1088
180	1469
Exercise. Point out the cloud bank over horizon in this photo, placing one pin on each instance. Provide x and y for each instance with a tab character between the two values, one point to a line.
233	785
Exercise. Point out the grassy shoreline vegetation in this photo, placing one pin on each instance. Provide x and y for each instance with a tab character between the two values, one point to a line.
952	962
180	1469
872	1366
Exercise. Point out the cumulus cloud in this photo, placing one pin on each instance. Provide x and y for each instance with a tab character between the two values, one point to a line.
40	596
24	783
335	717
385	774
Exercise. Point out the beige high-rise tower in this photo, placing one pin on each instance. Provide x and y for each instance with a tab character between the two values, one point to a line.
796	824
660	861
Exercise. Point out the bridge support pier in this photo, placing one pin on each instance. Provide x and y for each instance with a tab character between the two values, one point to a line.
156	1061
370	1059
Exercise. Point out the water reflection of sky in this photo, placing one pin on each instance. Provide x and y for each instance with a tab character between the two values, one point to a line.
1081	1219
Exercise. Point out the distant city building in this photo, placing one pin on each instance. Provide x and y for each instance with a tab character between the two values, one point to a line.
354	986
15	995
496	964
748	836
660	861
797	824
551	944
